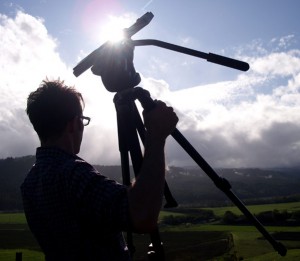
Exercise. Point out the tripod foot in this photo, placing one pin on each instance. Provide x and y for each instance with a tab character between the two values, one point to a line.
156	255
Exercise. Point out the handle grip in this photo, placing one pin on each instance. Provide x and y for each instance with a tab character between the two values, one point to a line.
229	62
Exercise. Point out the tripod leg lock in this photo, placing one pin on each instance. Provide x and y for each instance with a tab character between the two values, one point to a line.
144	98
222	183
136	93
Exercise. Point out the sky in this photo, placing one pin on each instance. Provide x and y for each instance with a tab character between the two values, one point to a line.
233	119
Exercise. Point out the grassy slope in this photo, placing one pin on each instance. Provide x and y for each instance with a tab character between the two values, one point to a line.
13	218
27	255
255	209
246	239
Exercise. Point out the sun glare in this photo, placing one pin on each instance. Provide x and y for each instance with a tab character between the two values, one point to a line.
113	29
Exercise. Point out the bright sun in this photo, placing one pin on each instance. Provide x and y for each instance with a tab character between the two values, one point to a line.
113	29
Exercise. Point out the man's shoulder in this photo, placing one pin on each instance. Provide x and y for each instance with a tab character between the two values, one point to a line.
81	163
78	165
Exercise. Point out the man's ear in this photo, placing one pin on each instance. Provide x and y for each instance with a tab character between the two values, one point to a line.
74	125
71	125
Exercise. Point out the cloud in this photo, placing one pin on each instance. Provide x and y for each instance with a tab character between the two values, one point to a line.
29	55
250	121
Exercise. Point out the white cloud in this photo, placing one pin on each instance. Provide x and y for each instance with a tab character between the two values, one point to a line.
284	42
251	121
280	63
236	124
29	55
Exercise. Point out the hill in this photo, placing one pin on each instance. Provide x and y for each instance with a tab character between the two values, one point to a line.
252	185
189	186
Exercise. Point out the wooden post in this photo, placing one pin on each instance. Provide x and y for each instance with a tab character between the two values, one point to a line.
18	256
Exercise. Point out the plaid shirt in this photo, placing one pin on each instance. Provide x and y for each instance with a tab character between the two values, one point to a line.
74	212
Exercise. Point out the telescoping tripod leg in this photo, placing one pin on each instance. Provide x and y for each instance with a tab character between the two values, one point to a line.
147	103
129	123
144	97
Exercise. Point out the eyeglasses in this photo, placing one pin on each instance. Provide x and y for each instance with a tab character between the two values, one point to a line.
85	120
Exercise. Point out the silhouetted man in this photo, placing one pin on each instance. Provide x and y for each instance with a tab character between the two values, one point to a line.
74	212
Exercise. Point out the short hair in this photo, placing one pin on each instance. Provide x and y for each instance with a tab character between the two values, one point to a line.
51	106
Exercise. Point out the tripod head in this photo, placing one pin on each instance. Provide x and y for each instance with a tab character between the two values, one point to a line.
116	67
114	62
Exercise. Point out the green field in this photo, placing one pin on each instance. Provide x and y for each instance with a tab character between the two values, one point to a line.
12	218
184	242
247	240
255	209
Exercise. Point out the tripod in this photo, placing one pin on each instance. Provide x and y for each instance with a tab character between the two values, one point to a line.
120	77
129	123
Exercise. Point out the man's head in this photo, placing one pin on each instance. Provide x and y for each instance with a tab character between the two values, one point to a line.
52	107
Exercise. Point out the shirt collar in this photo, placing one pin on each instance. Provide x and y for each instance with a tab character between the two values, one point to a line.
43	153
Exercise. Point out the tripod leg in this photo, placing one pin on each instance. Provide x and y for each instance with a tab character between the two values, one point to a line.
156	251
147	103
123	147
224	185
128	142
170	200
